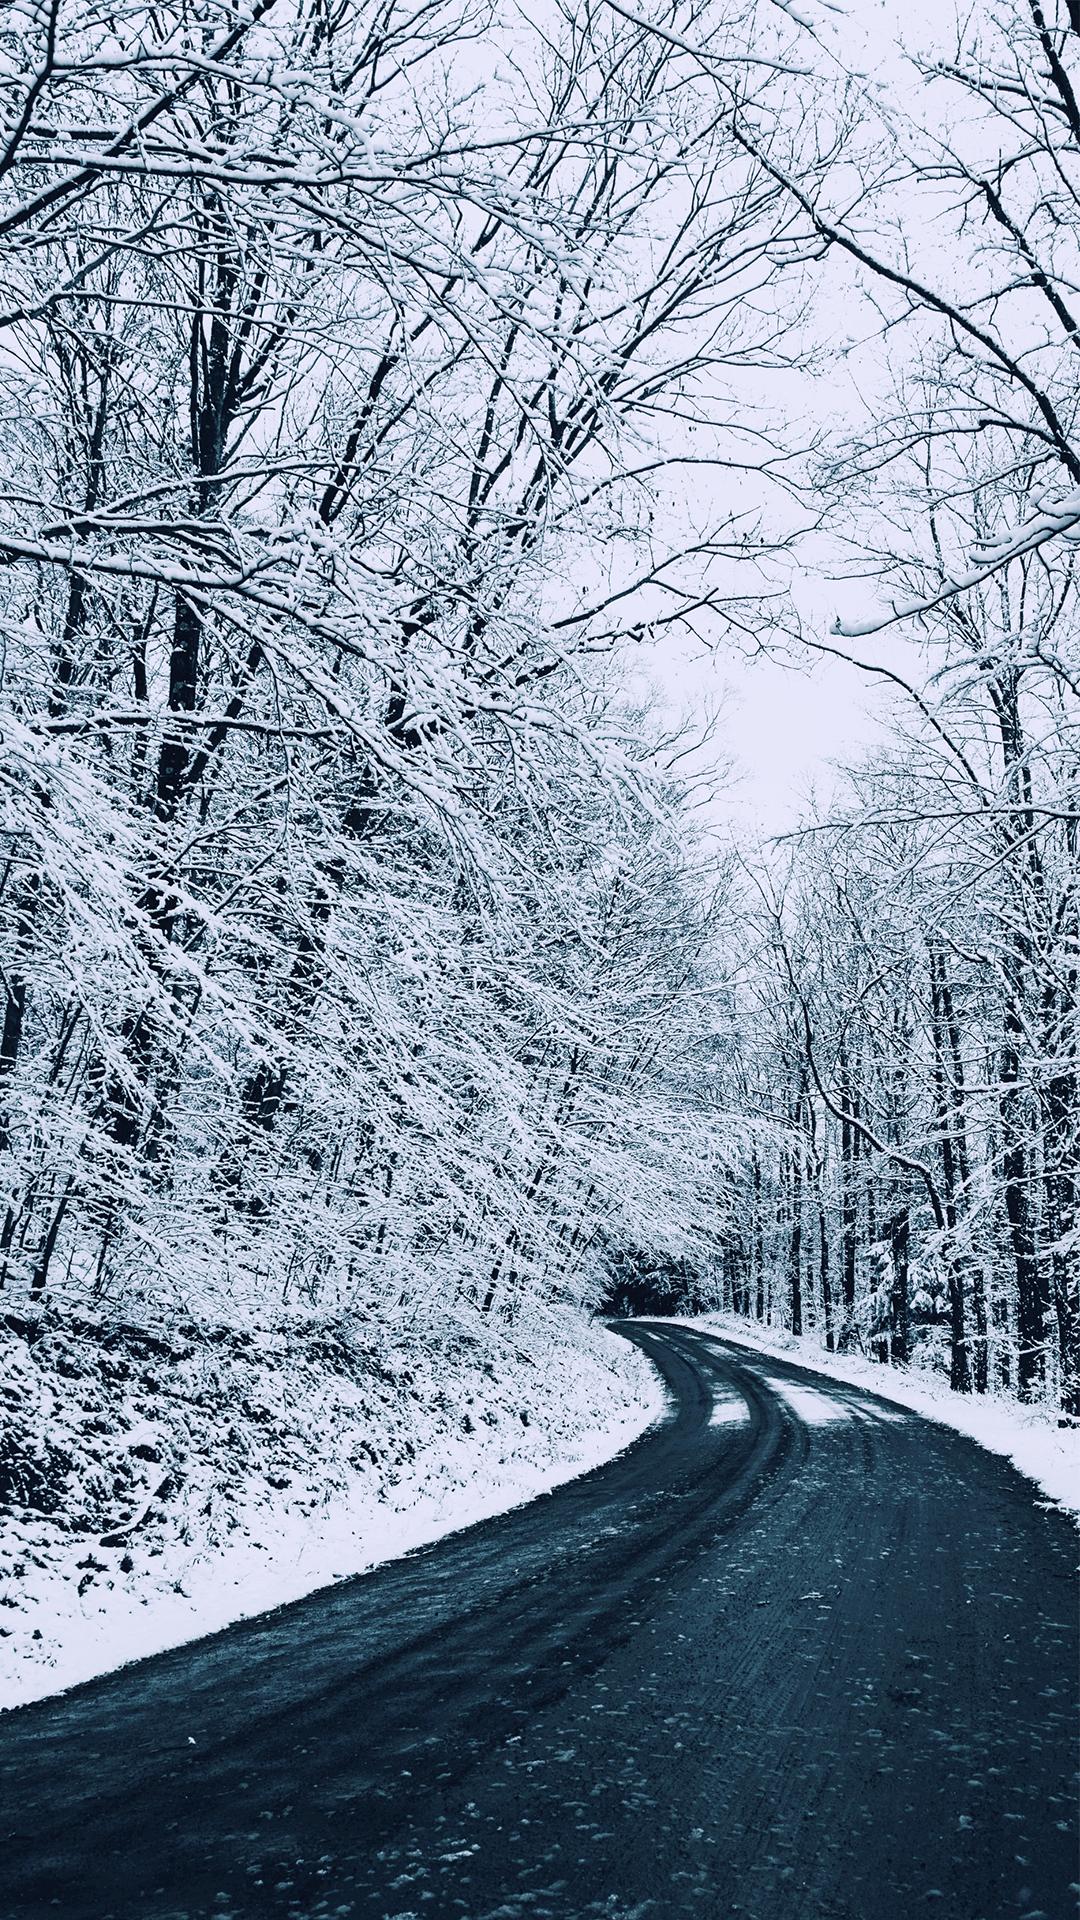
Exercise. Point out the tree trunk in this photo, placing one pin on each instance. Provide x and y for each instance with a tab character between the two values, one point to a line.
1025	870
1016	1182
849	1206
953	1150
759	1247
826	1283
795	1251
900	1301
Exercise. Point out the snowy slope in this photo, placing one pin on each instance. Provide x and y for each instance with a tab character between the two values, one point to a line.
156	1486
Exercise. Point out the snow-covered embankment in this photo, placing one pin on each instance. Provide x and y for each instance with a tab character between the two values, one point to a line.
156	1486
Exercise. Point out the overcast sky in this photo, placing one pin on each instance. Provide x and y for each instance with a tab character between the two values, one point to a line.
784	728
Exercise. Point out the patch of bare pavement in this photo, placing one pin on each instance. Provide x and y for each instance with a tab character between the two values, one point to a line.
796	1654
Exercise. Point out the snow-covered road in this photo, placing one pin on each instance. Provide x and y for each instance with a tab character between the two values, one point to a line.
796	1653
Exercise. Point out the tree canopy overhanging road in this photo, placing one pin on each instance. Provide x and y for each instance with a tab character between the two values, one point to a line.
796	1653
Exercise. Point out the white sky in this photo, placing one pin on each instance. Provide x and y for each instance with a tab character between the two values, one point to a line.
781	730
784	728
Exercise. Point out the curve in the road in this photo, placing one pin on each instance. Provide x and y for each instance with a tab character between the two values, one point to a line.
795	1655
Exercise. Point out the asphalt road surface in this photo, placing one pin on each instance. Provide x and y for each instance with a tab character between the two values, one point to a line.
796	1655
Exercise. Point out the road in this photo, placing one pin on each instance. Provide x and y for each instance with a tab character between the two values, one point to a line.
796	1655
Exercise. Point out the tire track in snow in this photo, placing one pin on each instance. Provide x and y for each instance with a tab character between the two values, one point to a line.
767	1663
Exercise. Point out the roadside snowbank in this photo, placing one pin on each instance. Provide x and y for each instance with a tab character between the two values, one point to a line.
156	1486
1028	1436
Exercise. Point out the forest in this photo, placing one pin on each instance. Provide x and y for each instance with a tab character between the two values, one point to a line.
392	390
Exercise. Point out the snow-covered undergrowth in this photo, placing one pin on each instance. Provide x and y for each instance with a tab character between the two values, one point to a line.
156	1485
1030	1437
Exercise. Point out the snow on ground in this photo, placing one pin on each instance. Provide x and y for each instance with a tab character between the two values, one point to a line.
157	1485
814	1409
1028	1436
729	1410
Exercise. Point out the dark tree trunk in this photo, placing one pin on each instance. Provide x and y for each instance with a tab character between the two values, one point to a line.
825	1279
1016	1181
797	1184
795	1255
952	1142
1061	1142
759	1247
16	985
849	1207
900	1301
1025	866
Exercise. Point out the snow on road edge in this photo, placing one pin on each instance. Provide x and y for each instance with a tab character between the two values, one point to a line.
1045	1453
599	1394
